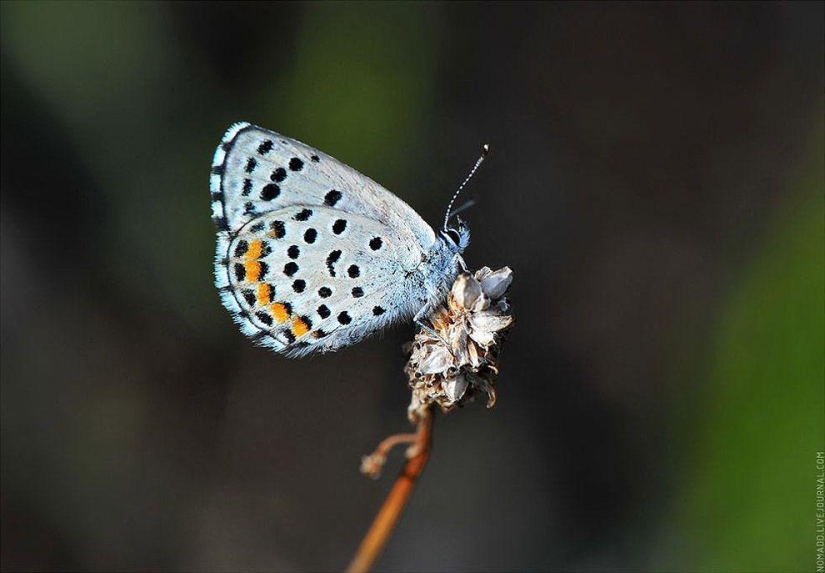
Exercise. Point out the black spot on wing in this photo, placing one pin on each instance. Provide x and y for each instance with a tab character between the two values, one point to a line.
353	271
332	258
278	229
357	292
310	235
251	164
221	223
344	318
375	243
270	192
325	292
299	285
241	248
266	146
290	268
303	215
295	164
278	175
323	311
264	317
339	226
332	198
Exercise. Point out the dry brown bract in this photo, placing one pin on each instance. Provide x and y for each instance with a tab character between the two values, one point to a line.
457	361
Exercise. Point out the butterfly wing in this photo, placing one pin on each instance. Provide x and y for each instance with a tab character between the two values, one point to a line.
255	171
311	255
306	278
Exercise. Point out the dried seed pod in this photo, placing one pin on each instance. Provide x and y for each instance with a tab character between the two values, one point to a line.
461	361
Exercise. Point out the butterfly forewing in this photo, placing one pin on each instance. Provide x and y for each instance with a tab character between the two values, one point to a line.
308	278
256	170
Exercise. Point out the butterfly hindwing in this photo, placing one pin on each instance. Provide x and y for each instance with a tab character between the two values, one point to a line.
308	278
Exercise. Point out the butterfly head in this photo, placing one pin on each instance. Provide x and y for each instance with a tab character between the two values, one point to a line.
457	237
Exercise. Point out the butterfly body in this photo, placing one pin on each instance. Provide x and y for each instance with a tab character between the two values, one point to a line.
313	256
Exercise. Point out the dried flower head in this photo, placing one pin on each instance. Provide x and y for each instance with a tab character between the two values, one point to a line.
456	361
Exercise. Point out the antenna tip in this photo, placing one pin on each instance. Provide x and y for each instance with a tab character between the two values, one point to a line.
485	150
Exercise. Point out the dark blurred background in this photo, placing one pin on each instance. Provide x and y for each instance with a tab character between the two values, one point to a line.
656	184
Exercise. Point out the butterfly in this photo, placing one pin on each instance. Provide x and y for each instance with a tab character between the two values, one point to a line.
312	256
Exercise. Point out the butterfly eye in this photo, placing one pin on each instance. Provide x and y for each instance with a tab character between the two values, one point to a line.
454	236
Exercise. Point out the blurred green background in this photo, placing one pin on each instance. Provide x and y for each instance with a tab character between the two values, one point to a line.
657	184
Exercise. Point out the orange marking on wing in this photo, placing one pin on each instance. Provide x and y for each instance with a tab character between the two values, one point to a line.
299	328
254	251
264	294
253	271
279	312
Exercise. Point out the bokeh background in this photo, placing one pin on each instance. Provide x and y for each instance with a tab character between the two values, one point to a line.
656	184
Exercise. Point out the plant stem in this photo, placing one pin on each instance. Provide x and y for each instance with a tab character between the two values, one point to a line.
382	526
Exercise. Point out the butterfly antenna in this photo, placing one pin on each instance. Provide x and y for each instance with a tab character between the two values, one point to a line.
463	207
485	151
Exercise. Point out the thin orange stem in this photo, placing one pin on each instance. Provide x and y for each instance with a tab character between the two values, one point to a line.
389	443
382	526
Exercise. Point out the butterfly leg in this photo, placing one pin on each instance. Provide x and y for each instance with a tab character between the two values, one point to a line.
417	319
